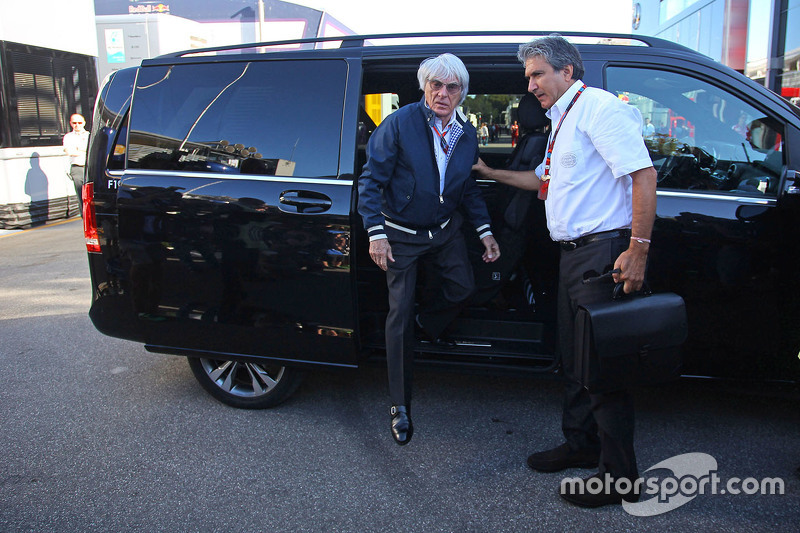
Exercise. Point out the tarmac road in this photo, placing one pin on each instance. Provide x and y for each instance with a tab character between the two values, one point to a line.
99	435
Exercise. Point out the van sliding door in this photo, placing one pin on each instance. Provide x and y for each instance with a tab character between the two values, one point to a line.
234	228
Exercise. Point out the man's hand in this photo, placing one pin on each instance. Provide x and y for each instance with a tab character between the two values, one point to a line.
492	252
381	253
481	169
631	263
522	179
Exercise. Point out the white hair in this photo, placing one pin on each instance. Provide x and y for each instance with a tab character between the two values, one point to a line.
444	67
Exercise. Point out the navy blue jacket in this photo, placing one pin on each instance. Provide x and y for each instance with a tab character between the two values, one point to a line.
400	180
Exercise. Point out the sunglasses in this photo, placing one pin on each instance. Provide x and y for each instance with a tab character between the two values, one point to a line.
437	85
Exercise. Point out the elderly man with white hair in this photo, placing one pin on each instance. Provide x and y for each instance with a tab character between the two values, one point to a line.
417	176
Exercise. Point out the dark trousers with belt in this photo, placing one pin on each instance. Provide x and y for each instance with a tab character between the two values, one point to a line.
593	421
445	254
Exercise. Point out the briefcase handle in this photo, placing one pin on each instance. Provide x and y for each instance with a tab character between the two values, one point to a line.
618	291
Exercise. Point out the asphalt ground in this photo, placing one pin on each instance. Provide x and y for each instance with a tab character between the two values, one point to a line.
96	434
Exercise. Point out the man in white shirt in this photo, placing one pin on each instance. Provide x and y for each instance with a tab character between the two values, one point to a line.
649	129
599	187
75	144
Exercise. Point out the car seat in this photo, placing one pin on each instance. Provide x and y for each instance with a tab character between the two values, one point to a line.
512	222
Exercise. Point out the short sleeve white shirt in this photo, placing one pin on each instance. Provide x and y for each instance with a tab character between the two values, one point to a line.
76	145
598	145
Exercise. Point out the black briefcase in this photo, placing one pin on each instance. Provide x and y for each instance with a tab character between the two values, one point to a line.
630	340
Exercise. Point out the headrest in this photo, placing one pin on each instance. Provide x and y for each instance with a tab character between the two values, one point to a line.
530	113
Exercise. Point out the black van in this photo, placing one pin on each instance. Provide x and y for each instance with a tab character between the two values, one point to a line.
221	221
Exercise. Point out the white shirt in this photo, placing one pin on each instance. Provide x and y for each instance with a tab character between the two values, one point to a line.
451	136
598	146
75	145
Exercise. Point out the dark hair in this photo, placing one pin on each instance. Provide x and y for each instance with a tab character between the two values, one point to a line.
557	51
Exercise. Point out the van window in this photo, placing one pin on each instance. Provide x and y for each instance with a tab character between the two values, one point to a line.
116	160
701	137
497	111
279	118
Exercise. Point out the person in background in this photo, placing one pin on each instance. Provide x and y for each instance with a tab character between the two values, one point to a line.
75	144
741	127
680	131
484	134
648	130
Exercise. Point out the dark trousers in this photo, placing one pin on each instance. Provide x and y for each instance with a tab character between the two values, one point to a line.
592	421
76	174
445	255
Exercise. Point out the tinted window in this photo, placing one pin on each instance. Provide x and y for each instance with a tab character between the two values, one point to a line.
112	103
272	118
701	137
116	160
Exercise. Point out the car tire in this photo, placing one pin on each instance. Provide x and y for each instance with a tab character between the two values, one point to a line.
246	385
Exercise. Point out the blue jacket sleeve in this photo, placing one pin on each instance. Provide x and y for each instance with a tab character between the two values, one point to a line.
475	205
381	160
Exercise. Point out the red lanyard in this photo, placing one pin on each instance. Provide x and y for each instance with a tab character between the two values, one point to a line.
442	141
545	180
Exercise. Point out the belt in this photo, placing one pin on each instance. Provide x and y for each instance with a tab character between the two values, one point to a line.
416	229
594	237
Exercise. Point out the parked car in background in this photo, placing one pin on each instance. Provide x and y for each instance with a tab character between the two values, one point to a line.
221	220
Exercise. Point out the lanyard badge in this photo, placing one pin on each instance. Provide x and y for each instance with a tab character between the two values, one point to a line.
544	184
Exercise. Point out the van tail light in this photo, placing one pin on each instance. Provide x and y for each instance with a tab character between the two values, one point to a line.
90	220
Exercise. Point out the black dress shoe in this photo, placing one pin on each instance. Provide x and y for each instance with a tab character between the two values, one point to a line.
604	494
440	342
402	428
563	457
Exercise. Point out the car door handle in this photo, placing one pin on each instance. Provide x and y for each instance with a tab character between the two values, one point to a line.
306	202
